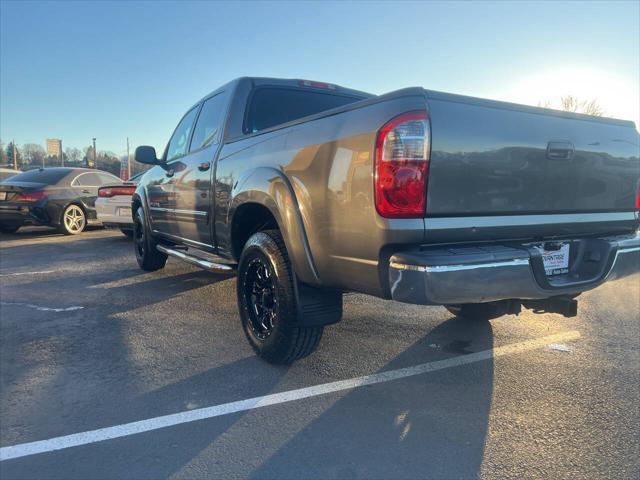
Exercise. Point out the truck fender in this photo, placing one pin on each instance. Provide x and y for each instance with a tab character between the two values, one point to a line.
269	187
140	197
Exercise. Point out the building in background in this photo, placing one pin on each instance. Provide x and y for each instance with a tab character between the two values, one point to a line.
54	147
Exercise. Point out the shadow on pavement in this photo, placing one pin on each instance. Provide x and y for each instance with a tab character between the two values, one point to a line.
43	354
432	425
429	426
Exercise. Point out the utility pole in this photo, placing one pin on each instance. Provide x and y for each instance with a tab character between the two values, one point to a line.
95	154
61	155
15	156
128	161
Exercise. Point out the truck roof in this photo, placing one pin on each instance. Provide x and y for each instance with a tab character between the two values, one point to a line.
288	82
302	83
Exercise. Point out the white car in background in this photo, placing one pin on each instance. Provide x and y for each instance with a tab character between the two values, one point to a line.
7	173
113	205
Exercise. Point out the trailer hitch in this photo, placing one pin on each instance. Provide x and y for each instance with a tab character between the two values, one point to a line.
563	305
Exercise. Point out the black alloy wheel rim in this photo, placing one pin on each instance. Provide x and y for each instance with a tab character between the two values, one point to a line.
138	235
262	301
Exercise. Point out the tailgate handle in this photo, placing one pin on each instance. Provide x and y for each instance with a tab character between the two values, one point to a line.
560	150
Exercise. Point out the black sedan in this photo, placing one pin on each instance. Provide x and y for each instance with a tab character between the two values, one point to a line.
58	197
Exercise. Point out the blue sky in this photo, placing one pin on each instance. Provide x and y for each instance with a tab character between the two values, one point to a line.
76	70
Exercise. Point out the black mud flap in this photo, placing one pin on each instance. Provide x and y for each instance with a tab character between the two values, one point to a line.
317	306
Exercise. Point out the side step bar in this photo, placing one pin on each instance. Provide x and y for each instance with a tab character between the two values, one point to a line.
198	262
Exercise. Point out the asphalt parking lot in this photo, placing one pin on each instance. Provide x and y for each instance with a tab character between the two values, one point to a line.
89	341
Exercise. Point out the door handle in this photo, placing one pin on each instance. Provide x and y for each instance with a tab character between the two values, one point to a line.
560	150
86	191
204	166
169	173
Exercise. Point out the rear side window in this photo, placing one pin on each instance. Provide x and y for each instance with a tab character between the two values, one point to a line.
106	178
86	180
49	177
209	124
272	106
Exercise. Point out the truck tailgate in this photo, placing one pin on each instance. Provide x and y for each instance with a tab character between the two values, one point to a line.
493	158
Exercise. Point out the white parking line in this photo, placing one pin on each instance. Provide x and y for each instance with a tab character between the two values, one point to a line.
25	273
43	309
124	430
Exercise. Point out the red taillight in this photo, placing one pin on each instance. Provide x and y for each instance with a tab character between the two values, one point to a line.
108	192
31	197
402	166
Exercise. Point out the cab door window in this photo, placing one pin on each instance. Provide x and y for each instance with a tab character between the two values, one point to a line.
180	140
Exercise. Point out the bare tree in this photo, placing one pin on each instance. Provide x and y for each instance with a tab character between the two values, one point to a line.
73	154
89	156
569	103
33	153
592	108
11	151
109	162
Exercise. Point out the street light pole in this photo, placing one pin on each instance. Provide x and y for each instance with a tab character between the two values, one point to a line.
15	156
128	161
95	154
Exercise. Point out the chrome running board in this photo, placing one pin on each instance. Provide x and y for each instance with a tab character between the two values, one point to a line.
198	262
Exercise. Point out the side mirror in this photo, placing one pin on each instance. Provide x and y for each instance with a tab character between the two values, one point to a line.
147	154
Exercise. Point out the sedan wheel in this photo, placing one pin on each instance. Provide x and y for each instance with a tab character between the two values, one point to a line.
74	220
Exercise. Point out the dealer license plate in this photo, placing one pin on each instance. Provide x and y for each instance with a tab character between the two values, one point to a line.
124	211
556	262
3	195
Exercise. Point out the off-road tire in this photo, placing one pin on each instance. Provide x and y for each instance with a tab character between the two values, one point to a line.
285	342
144	245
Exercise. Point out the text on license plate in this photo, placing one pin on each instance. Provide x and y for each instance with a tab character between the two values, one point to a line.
556	262
3	195
124	211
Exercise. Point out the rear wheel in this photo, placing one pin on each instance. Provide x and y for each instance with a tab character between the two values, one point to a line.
74	220
9	228
147	255
267	301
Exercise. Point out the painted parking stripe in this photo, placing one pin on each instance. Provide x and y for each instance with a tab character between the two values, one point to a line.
25	273
41	308
133	428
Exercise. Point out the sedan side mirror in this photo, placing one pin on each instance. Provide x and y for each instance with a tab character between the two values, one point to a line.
147	154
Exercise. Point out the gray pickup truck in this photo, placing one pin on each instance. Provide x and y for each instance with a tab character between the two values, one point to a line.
306	190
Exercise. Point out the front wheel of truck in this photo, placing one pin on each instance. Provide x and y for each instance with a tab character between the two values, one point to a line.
267	301
147	255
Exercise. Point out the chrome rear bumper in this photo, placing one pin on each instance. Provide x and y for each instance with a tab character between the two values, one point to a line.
457	275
